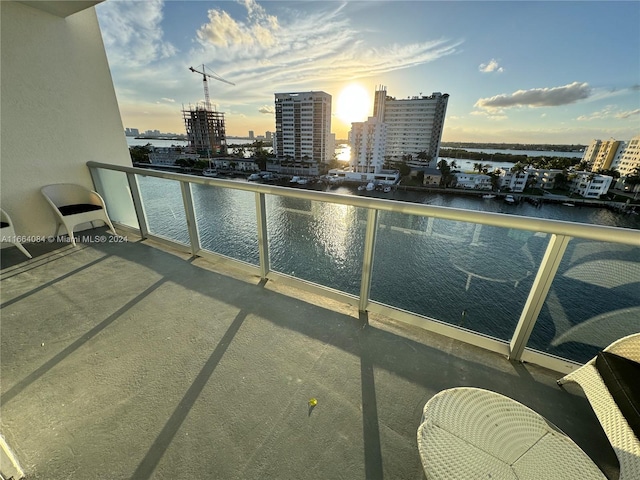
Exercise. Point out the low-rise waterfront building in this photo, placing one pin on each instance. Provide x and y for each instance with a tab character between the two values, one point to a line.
545	178
514	181
477	181
432	177
169	155
590	185
237	164
383	177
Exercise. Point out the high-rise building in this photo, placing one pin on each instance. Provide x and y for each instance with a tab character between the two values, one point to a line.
600	154
368	144
629	158
251	135
303	127
268	135
414	124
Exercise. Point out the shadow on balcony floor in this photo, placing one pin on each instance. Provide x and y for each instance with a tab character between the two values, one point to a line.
129	361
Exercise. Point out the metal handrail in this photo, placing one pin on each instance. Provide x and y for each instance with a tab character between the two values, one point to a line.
561	233
572	229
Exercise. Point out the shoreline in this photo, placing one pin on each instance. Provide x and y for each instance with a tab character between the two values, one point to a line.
537	200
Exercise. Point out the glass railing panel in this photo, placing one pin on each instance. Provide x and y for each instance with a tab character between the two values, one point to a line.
467	275
594	299
113	187
226	220
164	208
316	241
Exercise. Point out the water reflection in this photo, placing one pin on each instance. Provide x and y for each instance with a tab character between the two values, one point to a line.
343	152
318	242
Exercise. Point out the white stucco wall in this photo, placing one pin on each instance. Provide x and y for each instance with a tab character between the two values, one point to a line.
58	109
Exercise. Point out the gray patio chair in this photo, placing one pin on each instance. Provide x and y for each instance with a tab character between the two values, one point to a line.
8	233
74	204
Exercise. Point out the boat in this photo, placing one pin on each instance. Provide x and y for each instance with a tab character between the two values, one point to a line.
254	177
361	187
302	181
509	199
488	196
386	189
568	204
370	186
210	172
294	179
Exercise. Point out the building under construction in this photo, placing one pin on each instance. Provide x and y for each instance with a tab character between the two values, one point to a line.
205	126
205	130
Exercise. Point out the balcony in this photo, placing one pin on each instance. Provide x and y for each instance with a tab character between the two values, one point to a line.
181	354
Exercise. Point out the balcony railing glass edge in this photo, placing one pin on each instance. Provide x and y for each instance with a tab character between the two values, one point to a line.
516	349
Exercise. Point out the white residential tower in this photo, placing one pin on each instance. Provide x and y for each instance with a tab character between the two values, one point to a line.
303	127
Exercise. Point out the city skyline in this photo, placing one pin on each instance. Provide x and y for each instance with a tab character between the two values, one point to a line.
516	72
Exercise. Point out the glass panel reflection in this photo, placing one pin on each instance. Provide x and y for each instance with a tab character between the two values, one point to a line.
114	189
593	300
162	200
226	221
316	241
473	276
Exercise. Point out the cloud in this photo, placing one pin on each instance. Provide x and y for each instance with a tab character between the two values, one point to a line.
132	34
493	115
610	111
492	66
628	113
170	100
259	28
267	109
294	46
538	97
263	53
606	112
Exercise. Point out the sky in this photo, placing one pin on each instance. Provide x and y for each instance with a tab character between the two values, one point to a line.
516	71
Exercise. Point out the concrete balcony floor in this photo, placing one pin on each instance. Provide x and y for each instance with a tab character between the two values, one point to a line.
128	360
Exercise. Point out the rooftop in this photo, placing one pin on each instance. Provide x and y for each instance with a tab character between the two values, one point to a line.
130	360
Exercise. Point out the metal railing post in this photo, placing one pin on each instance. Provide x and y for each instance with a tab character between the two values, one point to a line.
538	294
190	213
138	205
367	261
263	239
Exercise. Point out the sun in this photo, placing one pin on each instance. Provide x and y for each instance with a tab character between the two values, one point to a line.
354	104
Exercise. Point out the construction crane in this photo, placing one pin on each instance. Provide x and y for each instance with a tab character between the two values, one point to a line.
213	75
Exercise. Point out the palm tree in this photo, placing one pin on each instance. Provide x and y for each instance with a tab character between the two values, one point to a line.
560	180
517	168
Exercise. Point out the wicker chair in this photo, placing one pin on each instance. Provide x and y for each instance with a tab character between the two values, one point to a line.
621	436
471	433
